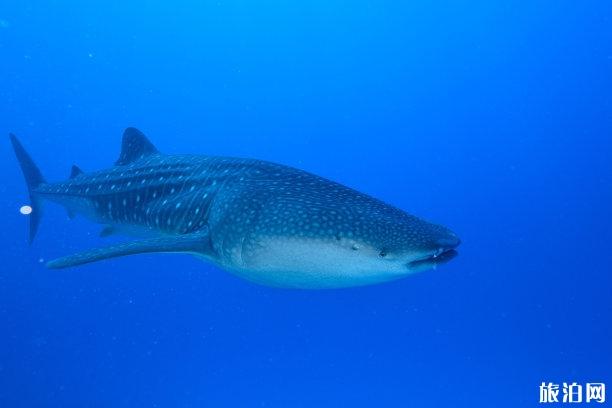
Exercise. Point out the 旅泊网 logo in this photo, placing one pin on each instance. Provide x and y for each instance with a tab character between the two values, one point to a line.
572	393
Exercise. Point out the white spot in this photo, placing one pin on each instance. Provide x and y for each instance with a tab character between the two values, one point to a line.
25	210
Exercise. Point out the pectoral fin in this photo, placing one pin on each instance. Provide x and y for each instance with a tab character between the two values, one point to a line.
195	243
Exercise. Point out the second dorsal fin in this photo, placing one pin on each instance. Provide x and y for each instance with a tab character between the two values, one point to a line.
134	146
107	231
75	171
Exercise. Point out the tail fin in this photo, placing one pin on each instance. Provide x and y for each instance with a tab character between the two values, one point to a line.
33	178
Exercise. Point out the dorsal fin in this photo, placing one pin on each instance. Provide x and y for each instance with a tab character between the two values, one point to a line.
75	171
134	146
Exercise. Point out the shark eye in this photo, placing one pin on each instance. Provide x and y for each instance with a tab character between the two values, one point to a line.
383	253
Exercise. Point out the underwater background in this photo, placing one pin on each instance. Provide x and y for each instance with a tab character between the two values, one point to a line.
493	118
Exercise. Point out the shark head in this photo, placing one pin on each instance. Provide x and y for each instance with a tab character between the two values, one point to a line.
340	244
419	247
379	251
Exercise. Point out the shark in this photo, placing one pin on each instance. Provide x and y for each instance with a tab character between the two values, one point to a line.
268	223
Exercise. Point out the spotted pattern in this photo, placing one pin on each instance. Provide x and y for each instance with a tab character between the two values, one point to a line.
161	193
239	203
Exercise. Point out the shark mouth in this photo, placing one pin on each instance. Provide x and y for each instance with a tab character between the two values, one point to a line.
442	256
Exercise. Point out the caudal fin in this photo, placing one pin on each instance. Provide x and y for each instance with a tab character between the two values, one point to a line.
33	178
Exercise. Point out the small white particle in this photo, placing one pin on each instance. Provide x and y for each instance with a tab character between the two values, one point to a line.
25	210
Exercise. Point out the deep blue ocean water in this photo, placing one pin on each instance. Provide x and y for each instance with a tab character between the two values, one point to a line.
493	118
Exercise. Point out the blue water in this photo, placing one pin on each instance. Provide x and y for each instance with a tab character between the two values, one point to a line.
492	118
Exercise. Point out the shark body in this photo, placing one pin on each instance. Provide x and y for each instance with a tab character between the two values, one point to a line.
266	222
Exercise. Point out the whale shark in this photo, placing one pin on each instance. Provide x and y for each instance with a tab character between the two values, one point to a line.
265	222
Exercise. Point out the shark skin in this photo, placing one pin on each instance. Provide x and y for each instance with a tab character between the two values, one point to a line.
268	223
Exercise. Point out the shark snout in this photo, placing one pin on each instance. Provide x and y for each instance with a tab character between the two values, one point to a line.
439	249
447	242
